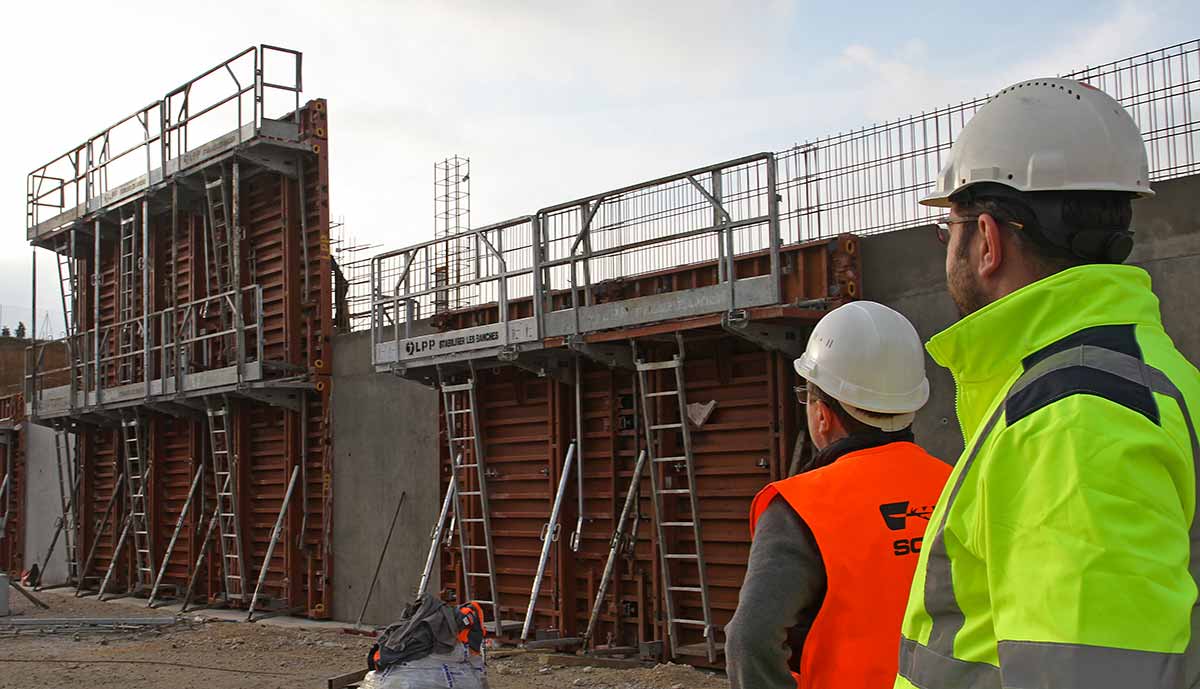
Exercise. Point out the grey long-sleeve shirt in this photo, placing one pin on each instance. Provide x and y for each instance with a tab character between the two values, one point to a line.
782	593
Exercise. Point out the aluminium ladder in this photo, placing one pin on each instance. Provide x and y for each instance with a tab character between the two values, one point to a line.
138	474
471	496
229	529
138	470
67	279
678	565
219	222
127	297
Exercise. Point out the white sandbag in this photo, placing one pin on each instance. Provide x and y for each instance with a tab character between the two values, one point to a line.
457	670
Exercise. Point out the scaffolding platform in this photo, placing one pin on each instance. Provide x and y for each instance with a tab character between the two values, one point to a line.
161	298
541	288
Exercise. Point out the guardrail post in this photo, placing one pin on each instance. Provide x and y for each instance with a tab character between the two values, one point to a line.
538	297
773	227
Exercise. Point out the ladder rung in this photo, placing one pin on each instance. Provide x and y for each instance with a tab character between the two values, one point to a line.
664	393
475	547
665	426
470	492
675	491
670	459
468	466
693	623
682	556
215	183
456	412
678	523
465	437
658	365
458	388
479	574
687	589
471	520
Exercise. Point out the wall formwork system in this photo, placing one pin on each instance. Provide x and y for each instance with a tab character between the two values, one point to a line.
197	304
560	312
12	485
565	303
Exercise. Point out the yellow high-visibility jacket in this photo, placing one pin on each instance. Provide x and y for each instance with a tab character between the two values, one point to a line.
1064	550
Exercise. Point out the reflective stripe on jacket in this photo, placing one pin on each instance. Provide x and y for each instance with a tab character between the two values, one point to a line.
1064	550
867	512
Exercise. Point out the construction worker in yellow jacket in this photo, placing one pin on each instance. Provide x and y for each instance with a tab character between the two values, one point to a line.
1064	550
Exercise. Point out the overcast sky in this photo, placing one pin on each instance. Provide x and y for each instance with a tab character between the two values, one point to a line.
551	100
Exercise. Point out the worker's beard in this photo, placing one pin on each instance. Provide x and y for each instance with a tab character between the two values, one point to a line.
962	283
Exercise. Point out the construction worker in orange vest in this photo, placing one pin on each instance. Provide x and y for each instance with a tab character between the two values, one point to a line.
834	547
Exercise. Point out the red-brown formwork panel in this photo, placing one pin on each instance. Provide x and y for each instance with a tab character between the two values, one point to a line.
280	235
12	503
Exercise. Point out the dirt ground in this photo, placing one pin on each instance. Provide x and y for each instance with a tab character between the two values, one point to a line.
202	653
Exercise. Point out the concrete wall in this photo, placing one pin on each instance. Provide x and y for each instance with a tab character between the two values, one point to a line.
42	505
385	433
906	270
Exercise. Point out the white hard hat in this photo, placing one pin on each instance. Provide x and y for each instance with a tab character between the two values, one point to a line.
869	358
1047	135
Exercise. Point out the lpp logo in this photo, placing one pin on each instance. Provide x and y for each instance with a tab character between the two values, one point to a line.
413	347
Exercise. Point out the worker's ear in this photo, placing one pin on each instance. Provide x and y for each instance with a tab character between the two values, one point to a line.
824	417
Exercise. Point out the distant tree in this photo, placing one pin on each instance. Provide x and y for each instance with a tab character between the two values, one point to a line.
5	332
21	330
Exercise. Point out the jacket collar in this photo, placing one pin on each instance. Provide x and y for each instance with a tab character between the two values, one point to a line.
855	442
984	350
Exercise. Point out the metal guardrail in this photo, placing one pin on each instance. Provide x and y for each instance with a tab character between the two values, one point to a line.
138	150
716	212
171	343
865	181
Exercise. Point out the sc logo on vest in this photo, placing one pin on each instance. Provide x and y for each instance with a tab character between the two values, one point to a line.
895	516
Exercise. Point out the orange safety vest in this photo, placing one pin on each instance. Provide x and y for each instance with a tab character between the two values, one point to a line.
867	511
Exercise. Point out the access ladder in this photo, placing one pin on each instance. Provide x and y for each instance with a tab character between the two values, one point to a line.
68	281
469	480
229	530
678	565
219	222
127	297
137	474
